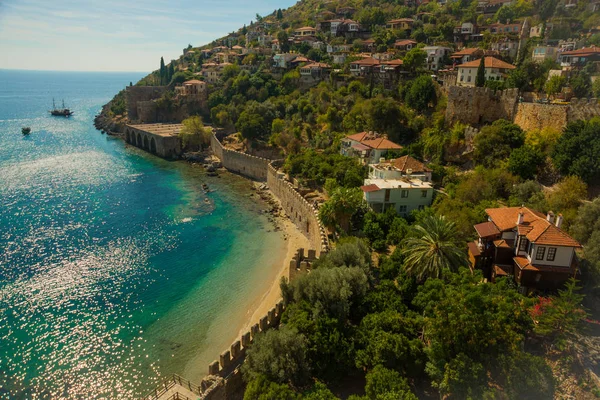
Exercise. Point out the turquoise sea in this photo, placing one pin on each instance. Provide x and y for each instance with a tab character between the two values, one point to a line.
115	270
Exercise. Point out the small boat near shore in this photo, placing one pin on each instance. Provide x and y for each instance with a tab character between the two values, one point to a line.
60	112
25	130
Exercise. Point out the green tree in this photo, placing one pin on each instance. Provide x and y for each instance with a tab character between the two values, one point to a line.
414	60
343	203
555	85
385	382
163	71
279	14
194	134
469	323
559	318
260	388
252	125
279	355
170	72
480	77
596	88
524	162
421	94
331	292
284	43
580	84
576	152
390	339
496	141
432	248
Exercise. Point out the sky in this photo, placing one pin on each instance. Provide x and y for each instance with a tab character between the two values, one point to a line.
115	35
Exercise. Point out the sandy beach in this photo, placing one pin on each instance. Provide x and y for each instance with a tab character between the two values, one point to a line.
295	240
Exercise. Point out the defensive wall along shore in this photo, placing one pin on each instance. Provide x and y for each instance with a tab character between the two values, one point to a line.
300	211
224	380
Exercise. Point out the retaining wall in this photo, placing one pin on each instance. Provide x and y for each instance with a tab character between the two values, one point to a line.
241	163
538	116
302	213
477	105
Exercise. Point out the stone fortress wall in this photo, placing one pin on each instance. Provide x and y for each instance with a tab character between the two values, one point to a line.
139	101
244	164
299	210
476	106
302	213
538	116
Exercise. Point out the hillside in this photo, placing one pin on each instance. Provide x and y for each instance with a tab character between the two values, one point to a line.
451	148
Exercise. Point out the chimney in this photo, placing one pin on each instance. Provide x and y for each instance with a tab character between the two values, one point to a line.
520	218
550	217
559	221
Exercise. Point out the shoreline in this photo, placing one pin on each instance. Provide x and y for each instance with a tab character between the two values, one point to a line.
257	306
295	240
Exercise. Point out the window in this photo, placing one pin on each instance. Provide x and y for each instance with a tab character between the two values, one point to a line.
551	253
539	255
404	194
402	209
387	195
421	207
423	193
468	79
523	244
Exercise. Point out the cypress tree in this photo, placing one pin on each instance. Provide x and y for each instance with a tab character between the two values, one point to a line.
163	71
480	78
171	73
279	14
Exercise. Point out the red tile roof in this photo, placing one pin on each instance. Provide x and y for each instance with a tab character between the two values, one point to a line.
466	52
486	229
369	61
404	42
584	52
405	163
535	226
490	62
381	143
373	141
524	264
370	188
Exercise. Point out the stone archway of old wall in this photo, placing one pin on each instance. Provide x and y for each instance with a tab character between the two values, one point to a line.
153	145
146	145
138	141
127	137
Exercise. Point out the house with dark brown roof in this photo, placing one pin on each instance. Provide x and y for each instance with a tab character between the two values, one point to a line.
401	167
527	245
368	147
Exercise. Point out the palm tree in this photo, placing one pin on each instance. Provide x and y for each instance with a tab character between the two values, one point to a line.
432	248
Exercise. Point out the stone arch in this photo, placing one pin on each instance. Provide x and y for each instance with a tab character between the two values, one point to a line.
153	146
145	142
138	142
127	138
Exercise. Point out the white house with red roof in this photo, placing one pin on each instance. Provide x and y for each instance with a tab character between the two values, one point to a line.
495	70
404	195
368	147
525	244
